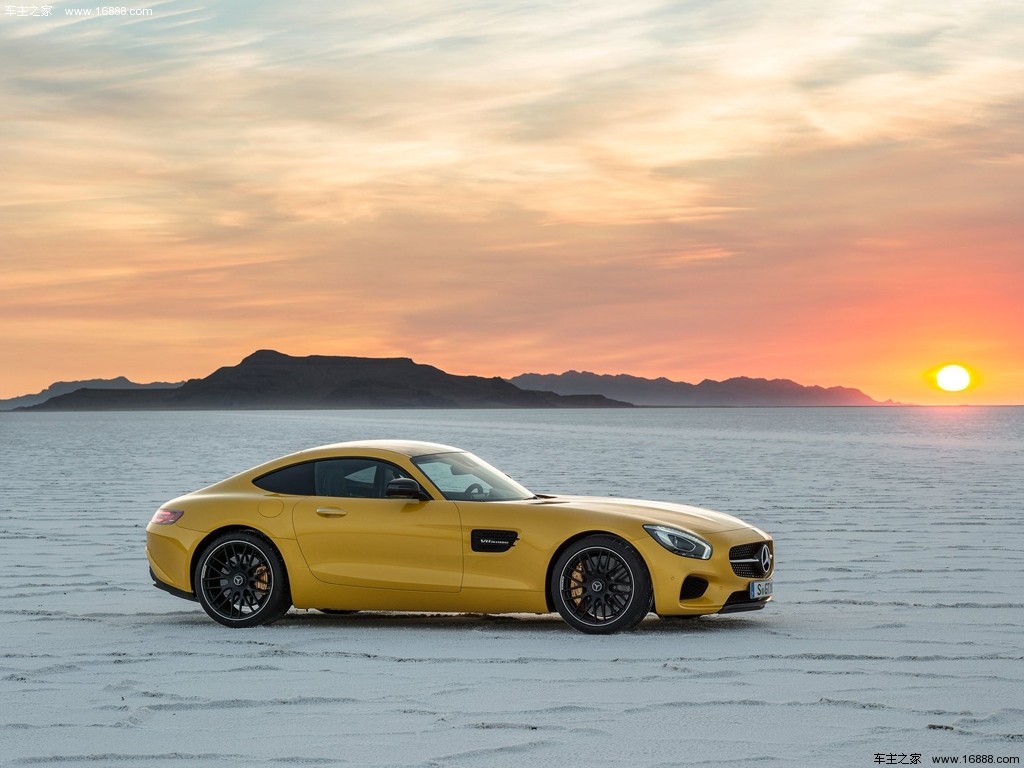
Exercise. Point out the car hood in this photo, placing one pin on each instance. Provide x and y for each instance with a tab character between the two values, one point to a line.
694	519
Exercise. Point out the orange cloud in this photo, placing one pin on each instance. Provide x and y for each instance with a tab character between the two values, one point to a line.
828	194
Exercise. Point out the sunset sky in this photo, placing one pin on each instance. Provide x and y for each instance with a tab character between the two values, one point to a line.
827	192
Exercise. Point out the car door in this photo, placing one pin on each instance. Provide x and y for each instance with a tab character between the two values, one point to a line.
351	534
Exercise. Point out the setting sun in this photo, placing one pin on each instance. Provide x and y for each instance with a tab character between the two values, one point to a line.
953	378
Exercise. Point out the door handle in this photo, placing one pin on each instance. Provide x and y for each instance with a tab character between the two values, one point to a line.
331	512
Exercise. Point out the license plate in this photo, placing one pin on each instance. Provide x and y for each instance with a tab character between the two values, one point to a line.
759	589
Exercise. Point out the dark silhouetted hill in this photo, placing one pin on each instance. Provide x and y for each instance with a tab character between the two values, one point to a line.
272	380
65	387
741	391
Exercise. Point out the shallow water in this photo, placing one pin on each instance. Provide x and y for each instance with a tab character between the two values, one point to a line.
896	626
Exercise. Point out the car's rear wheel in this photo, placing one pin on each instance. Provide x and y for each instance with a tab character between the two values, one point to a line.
600	585
240	580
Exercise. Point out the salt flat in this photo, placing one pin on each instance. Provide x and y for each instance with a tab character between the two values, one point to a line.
897	628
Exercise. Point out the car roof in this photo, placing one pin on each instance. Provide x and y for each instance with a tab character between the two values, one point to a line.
370	449
404	447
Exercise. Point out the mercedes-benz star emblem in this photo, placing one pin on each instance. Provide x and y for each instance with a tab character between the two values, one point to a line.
766	559
597	586
238	580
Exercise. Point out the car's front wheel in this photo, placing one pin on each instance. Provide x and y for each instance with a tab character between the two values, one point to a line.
600	585
240	580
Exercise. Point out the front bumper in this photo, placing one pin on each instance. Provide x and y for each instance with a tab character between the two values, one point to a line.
687	587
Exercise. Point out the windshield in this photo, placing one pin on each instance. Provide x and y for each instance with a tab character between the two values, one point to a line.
464	477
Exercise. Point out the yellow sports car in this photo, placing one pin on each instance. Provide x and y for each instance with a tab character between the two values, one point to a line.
389	525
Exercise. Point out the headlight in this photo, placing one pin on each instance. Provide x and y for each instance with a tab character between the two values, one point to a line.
680	542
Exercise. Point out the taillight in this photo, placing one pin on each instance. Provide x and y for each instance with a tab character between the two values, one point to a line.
167	516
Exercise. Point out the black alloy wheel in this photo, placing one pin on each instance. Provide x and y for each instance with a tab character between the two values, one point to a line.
240	581
601	585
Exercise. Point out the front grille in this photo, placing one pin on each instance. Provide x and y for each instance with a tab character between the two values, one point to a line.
693	587
746	560
747	570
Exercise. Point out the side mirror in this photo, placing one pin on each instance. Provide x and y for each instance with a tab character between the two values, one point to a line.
404	488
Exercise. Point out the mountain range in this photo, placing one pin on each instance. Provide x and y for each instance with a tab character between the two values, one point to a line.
65	387
739	391
272	380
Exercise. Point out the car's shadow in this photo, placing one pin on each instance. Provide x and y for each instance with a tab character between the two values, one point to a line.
505	623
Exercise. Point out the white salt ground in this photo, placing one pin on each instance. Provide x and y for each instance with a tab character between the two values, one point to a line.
897	629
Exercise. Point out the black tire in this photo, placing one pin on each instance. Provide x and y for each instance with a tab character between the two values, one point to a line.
600	585
240	581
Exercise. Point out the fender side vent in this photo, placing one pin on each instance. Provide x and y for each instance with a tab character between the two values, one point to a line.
484	540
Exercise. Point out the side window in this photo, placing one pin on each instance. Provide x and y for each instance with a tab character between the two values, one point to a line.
296	480
453	481
354	478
